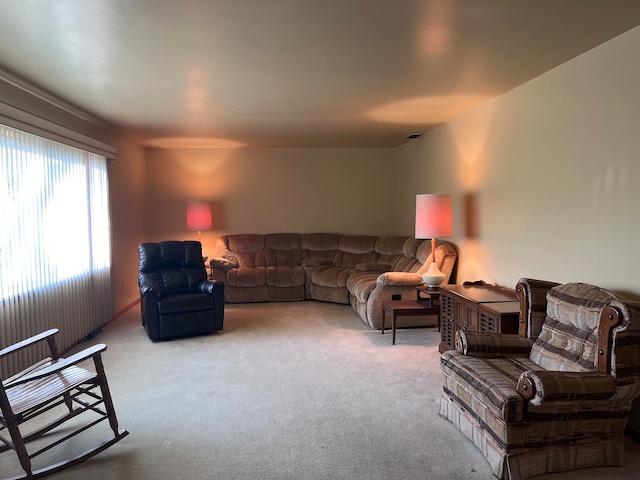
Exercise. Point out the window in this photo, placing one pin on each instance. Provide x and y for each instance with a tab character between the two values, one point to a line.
55	248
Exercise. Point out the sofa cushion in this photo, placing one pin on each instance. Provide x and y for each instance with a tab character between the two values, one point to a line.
185	303
361	284
246	242
288	258
247	277
282	241
389	245
320	241
285	276
363	244
329	276
250	259
319	248
347	260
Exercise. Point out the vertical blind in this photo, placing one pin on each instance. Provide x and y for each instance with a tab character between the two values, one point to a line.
55	242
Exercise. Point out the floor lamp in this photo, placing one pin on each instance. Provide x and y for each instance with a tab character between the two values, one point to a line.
199	217
433	219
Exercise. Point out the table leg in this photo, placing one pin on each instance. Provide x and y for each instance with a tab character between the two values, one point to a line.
382	326
393	328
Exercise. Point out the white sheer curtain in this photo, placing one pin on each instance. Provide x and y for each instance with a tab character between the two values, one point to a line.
55	241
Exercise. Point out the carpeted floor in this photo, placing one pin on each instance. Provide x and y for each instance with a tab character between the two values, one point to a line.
287	391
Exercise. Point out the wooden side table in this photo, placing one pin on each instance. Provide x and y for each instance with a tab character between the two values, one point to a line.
477	308
412	308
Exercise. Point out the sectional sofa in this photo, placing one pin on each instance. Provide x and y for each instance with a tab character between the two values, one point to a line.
360	270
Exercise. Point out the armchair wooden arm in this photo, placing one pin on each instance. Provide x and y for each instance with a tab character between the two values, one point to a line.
532	295
545	386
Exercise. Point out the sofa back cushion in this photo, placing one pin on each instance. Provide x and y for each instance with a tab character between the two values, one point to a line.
282	258
247	249
355	249
569	336
320	247
282	241
388	251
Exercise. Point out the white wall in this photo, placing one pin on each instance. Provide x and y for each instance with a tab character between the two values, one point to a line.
552	168
272	190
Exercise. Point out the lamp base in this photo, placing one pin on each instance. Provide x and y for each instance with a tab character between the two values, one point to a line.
433	277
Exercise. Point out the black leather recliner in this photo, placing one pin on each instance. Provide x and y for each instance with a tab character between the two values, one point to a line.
176	299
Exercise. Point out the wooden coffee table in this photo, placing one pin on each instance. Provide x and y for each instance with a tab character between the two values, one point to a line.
412	308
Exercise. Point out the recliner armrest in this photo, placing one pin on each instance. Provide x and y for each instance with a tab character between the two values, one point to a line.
491	345
209	286
552	386
403	279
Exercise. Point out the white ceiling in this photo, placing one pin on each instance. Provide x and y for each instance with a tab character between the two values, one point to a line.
294	73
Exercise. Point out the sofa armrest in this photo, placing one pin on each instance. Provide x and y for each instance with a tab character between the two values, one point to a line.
491	345
223	263
403	279
372	267
549	386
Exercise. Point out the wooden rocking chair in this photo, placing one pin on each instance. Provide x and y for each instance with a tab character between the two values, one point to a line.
50	383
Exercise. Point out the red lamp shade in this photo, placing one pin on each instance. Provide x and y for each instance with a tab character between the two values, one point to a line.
198	216
433	219
433	216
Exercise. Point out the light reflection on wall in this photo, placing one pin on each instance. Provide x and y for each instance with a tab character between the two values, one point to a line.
435	32
178	175
191	142
434	109
471	166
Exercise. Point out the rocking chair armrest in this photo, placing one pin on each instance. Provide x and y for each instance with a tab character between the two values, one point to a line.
491	345
28	342
61	364
555	386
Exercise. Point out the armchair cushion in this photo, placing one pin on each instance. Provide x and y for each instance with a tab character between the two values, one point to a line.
486	387
185	303
568	338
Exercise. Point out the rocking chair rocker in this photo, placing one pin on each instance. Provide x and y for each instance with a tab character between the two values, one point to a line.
50	383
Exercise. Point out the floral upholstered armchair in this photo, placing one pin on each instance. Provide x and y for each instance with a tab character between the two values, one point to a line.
557	395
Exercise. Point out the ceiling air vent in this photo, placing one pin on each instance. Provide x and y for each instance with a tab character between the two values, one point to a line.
413	135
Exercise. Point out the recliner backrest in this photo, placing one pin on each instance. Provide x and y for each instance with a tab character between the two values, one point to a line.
171	267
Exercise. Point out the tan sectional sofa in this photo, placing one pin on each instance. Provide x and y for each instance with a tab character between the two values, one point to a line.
360	270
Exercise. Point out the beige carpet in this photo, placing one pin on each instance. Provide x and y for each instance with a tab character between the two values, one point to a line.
287	391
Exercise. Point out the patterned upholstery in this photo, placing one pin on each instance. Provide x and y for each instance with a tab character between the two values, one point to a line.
561	404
